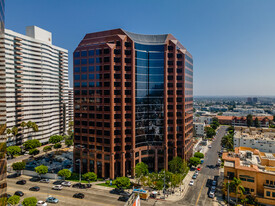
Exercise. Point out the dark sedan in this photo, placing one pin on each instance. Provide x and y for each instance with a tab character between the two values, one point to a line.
123	198
78	195
19	193
35	188
21	182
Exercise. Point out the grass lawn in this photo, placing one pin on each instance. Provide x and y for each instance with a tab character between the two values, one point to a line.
107	185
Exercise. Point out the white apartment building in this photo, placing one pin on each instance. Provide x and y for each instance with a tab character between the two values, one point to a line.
199	129
71	103
262	139
203	119
33	84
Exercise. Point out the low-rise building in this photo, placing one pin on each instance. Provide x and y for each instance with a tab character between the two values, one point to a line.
262	139
255	169
242	121
199	129
203	119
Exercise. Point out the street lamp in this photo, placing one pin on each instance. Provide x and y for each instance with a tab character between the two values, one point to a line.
78	160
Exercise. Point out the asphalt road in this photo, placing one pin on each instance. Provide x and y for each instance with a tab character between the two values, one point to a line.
93	196
197	194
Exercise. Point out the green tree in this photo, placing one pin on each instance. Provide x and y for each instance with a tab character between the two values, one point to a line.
47	148
68	142
29	201
141	169
14	200
90	176
31	144
34	151
249	120
122	182
210	132
227	142
65	173
199	155
18	166
176	165
55	139
57	146
194	161
176	180
256	122
41	170
13	150
238	188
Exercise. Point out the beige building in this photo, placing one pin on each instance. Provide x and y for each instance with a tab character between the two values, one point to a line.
255	169
262	139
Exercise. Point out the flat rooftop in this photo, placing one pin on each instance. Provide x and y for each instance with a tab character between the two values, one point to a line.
267	134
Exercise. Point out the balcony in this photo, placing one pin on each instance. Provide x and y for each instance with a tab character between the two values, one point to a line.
269	186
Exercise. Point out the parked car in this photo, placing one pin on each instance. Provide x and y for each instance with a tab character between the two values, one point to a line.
213	188
45	181
52	200
35	179
191	183
8	196
78	195
58	182
199	169
196	172
41	203
13	175
214	183
57	187
77	185
19	193
35	188
116	191
66	184
123	198
210	146
21	182
194	176
211	194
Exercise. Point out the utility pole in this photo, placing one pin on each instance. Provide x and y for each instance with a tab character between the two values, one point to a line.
228	189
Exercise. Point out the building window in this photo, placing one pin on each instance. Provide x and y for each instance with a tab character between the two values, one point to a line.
76	62
83	61
83	53
91	52
77	69
91	60
77	54
98	51
268	193
91	68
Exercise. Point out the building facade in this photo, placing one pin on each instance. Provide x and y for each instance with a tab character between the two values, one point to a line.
34	85
262	139
71	104
255	169
3	161
199	129
133	97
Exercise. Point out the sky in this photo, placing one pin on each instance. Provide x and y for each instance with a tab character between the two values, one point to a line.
232	42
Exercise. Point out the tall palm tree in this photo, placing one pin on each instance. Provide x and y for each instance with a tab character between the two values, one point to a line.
239	189
227	141
23	125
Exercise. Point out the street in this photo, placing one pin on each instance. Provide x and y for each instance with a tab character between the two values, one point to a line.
93	196
198	193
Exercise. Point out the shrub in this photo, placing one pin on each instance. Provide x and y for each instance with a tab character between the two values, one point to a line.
34	151
57	146
47	148
199	155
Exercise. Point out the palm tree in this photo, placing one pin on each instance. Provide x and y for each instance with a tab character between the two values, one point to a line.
227	141
239	189
23	125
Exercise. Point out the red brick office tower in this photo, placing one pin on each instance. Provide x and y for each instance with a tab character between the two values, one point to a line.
133	97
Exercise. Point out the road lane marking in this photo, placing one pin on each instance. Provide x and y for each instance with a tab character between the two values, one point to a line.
200	192
85	200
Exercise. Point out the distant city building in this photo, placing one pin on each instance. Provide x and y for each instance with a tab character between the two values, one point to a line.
3	161
242	121
199	129
251	100
262	139
218	109
133	102
255	169
71	104
34	84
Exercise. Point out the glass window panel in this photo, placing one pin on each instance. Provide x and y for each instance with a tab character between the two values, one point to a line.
83	53
91	76
142	78
77	69
83	69
141	55
91	53
77	54
83	61
76	77
84	76
91	68
76	61
156	55
91	60
156	78
156	63
141	62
